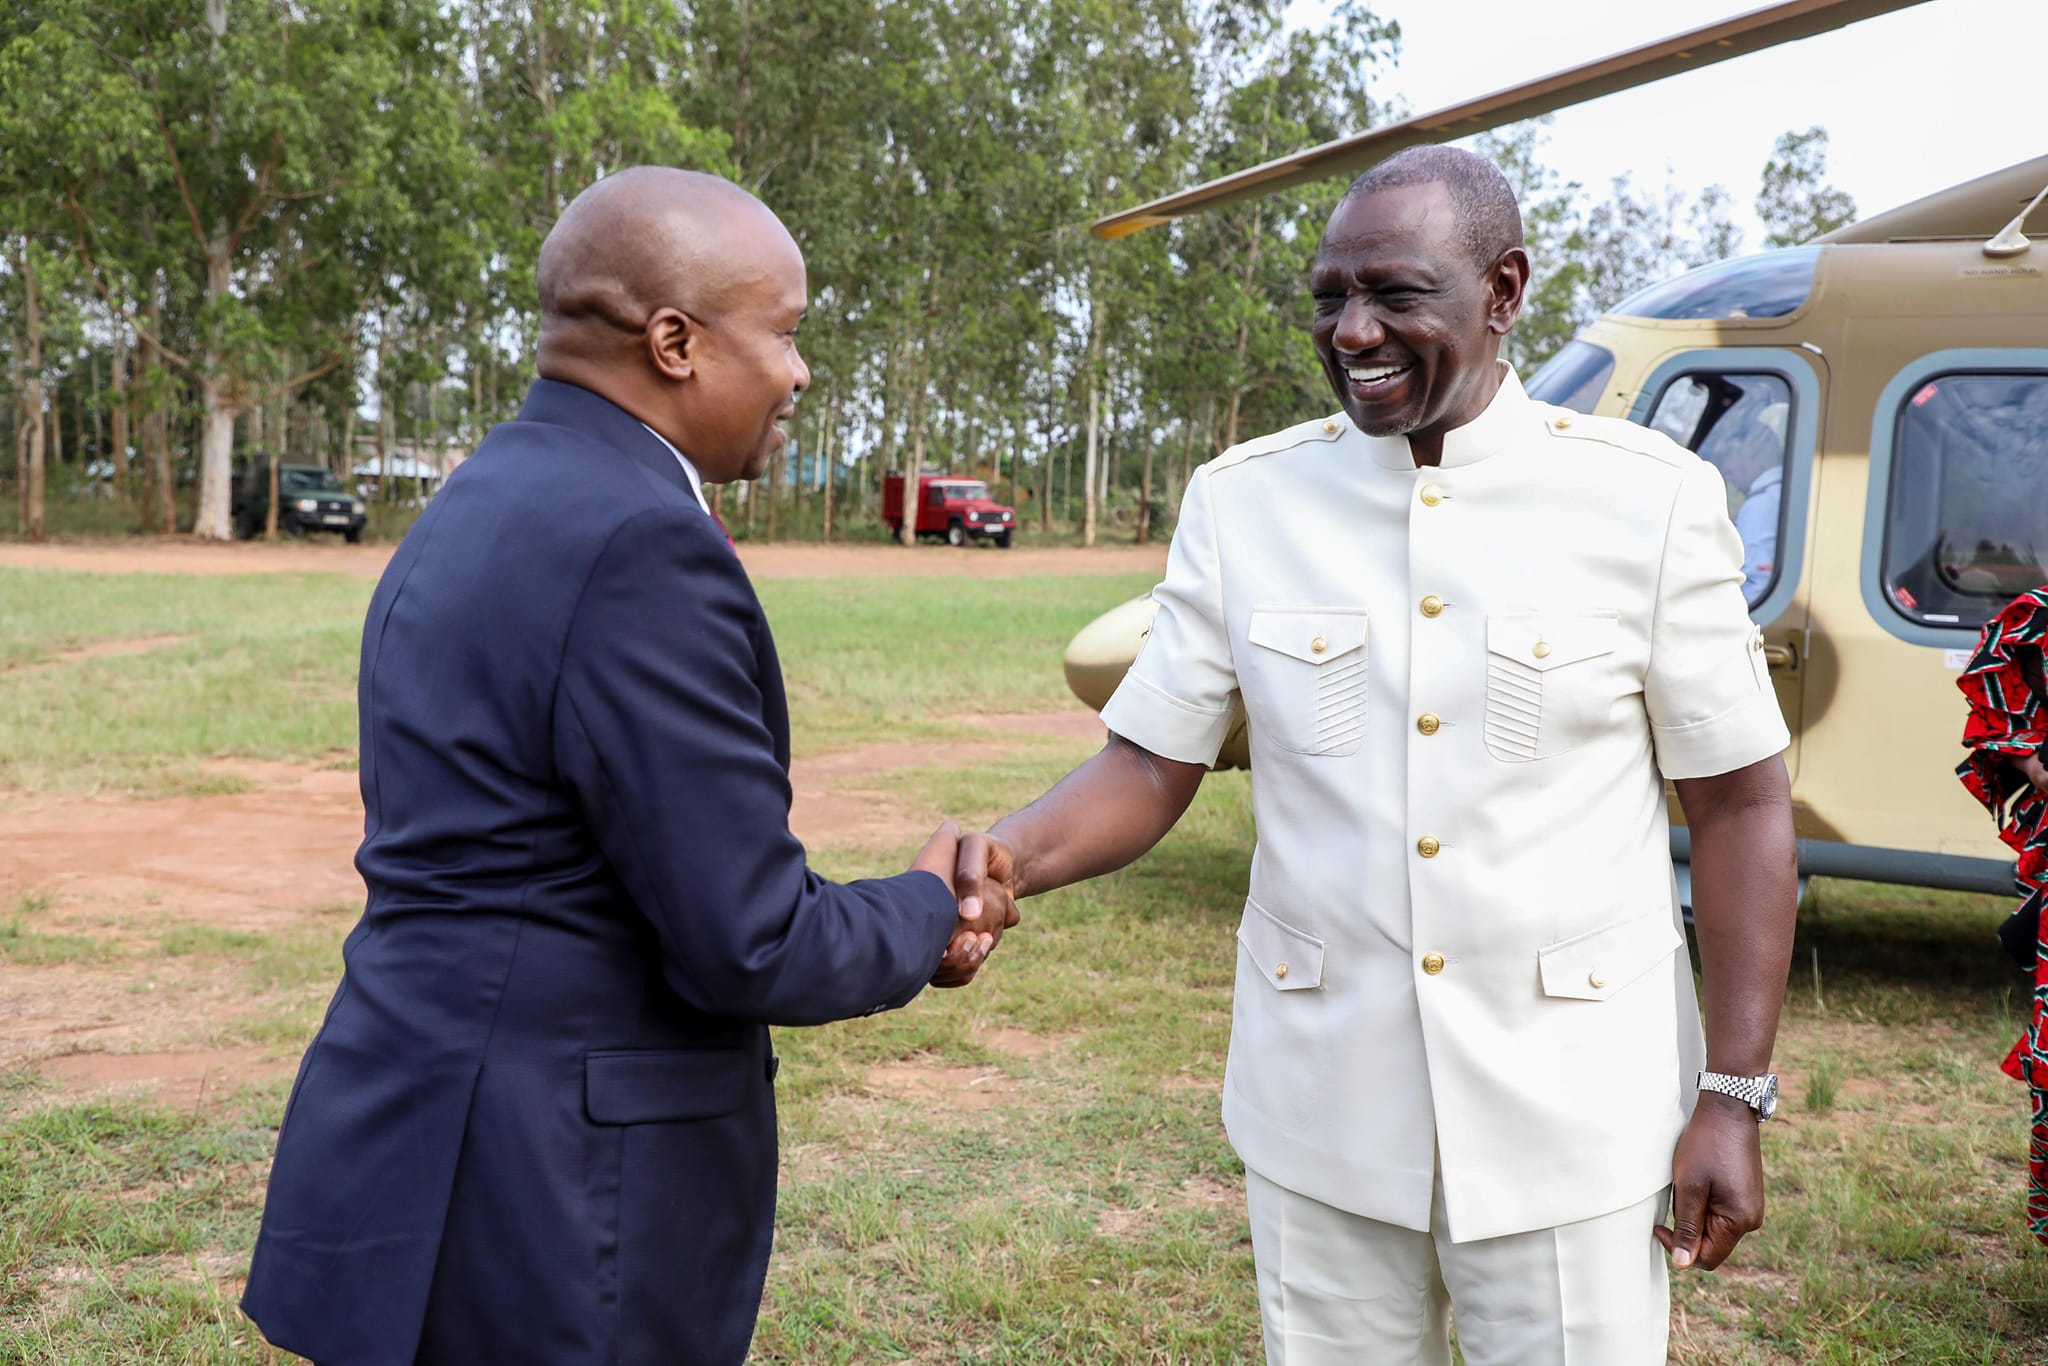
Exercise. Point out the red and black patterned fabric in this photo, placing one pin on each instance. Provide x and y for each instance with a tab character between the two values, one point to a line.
2008	721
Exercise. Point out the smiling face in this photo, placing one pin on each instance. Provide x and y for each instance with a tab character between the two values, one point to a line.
1407	324
745	370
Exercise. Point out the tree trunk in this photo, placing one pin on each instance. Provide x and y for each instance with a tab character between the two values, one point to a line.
156	429
775	463
1094	424
826	470
914	458
1145	494
55	425
98	404
117	376
1045	465
32	405
217	434
347	470
217	430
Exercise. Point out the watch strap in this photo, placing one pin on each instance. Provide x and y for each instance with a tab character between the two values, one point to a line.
1751	1091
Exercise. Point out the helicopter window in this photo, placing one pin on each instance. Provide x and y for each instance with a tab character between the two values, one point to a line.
1768	285
1574	378
1966	522
1738	423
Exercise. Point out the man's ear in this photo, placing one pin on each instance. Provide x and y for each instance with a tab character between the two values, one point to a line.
673	340
1507	282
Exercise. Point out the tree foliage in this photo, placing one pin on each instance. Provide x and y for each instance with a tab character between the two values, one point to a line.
1796	203
260	227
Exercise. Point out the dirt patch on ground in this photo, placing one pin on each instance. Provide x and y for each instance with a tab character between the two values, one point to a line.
1204	1193
90	888
1016	1043
836	801
179	555
953	1088
140	645
183	1079
247	860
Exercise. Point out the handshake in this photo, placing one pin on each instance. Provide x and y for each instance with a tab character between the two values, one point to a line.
982	871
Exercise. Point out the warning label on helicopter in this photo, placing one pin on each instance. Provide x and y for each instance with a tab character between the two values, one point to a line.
2026	272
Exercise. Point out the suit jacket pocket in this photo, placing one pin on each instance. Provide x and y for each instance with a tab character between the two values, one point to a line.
1546	690
662	1086
1289	959
1599	963
1303	680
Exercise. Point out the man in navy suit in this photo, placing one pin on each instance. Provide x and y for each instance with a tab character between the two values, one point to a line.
538	1123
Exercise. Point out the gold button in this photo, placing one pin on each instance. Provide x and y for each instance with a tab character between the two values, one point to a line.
1432	606
1562	424
1428	846
1595	980
1431	495
1428	722
1432	963
1319	644
1330	426
1279	970
1542	650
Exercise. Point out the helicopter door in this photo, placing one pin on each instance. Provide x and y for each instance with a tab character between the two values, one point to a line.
1754	414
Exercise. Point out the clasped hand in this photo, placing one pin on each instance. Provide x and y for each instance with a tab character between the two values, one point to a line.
983	874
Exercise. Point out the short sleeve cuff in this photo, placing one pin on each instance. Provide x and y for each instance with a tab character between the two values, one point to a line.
1152	718
1746	733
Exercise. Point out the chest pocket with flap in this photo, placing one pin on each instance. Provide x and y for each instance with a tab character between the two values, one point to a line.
1304	679
1550	686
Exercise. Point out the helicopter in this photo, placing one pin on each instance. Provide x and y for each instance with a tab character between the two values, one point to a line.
1877	402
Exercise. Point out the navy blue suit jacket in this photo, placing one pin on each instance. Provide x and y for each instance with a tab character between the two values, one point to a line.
538	1123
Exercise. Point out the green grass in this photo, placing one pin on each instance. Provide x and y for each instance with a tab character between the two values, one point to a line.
1031	1170
23	942
263	667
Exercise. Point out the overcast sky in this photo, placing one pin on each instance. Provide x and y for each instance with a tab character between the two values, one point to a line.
1913	101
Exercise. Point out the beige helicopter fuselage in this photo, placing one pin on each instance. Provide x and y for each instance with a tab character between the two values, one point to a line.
1869	694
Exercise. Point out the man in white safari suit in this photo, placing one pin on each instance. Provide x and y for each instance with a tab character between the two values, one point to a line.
1474	634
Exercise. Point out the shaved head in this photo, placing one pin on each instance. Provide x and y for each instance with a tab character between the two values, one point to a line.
677	295
1489	220
651	236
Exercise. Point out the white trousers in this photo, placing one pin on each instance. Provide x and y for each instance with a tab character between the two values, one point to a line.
1337	1289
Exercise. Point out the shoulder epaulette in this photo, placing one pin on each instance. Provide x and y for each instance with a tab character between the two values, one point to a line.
1287	438
1618	432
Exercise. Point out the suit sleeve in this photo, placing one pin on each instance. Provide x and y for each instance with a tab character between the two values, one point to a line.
659	730
1708	690
1176	699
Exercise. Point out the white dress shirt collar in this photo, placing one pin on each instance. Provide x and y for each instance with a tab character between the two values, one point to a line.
689	470
1504	419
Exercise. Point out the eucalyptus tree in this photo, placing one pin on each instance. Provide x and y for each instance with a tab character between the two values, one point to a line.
261	142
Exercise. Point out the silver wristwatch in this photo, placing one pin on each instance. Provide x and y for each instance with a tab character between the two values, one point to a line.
1758	1093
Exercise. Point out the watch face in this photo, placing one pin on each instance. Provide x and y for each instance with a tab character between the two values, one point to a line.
1768	1106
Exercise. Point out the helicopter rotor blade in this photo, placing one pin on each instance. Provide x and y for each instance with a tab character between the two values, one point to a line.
1745	33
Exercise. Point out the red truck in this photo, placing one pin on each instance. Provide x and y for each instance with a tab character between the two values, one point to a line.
947	505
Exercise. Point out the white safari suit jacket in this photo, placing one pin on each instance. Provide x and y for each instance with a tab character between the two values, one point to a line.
1466	685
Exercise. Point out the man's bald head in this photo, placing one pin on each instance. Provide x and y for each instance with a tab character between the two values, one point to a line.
676	295
1489	220
649	237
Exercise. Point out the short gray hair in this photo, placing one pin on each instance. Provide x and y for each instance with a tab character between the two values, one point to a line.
1489	220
